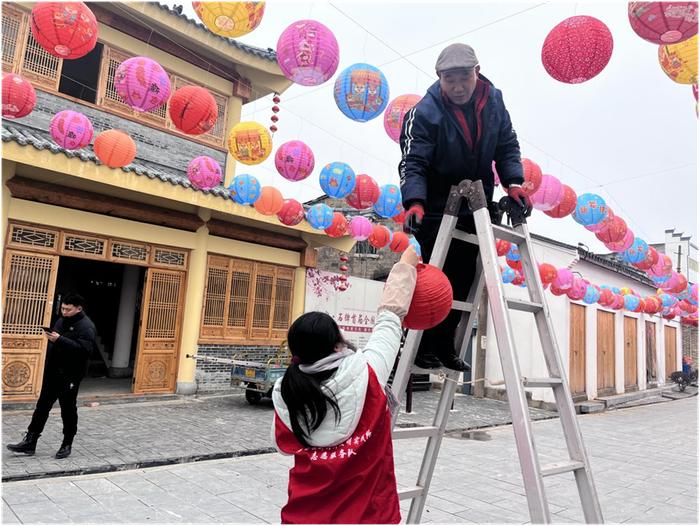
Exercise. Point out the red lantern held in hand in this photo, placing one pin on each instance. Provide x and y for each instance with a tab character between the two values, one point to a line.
66	30
432	299
339	226
399	242
193	110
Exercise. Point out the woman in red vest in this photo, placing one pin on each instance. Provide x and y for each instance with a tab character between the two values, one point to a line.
332	414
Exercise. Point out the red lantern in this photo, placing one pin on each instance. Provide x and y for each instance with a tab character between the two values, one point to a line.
432	299
114	148
365	193
291	213
548	273
193	110
533	176
399	242
515	265
566	205
339	226
615	231
380	236
343	268
606	297
502	247
664	22
649	261
269	202
556	290
343	258
519	279
577	49
18	96
64	29
682	285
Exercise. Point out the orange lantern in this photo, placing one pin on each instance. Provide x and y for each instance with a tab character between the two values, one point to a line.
380	236
399	242
270	201
193	110
115	148
339	226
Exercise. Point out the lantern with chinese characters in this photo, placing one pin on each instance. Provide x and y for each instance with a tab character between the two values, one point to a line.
115	148
204	172
532	174
432	298
307	53
365	193
230	19
623	244
71	130
244	189
680	61
548	273
142	83
339	226
337	180
592	295
663	22
507	275
360	228
566	205
637	252
590	209
291	213
320	216
18	96
399	242
193	110
269	202
66	30
615	231
380	236
395	112
389	203
294	160
361	92
549	194
577	49
249	142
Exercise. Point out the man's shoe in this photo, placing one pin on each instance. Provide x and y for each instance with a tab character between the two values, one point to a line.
64	451
27	445
427	361
455	363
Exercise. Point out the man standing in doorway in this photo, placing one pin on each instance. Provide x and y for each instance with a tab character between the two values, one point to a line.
71	342
455	132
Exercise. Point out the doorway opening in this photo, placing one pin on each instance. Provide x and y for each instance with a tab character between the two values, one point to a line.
105	286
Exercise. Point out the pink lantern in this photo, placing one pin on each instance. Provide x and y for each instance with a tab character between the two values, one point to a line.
294	160
142	83
307	53
291	213
671	283
204	172
577	49
395	112
564	279
360	228
623	244
71	130
663	266
549	194
663	22
578	289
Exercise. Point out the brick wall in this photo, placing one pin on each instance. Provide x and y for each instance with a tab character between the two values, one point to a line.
211	376
689	341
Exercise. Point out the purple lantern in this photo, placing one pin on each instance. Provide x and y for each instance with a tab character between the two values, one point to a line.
307	53
204	172
71	130
360	228
294	160
142	83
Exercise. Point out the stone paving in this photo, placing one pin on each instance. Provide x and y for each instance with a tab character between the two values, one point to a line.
128	436
644	461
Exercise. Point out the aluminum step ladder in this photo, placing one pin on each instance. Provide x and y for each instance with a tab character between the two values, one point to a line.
488	273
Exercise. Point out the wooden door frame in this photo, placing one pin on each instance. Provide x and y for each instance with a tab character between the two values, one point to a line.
582	395
651	353
635	385
609	390
667	371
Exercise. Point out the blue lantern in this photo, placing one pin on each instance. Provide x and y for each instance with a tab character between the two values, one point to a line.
591	296
337	180
631	301
590	209
244	189
667	300
660	280
637	252
389	203
414	242
320	216
361	92
508	275
616	290
513	254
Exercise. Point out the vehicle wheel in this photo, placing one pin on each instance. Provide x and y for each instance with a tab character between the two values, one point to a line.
253	397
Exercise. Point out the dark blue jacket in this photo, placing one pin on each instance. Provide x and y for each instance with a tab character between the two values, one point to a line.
436	155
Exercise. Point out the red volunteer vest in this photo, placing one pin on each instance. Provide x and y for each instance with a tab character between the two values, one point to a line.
351	483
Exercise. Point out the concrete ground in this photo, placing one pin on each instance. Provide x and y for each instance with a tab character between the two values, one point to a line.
644	461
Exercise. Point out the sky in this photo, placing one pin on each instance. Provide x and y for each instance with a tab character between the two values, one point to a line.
629	134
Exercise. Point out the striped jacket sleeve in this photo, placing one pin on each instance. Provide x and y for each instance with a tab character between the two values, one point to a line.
417	142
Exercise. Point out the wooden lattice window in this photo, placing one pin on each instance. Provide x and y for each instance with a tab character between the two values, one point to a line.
163	304
25	236
39	66
246	300
131	252
77	244
13	28
169	257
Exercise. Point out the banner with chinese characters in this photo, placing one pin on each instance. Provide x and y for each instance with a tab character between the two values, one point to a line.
354	310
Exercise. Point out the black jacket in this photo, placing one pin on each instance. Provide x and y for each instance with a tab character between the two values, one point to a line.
67	357
436	154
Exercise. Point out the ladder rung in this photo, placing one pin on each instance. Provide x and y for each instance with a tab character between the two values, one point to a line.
523	305
541	382
415	432
507	234
410	492
462	305
465	236
561	467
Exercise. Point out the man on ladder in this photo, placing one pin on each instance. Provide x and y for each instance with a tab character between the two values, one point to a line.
455	132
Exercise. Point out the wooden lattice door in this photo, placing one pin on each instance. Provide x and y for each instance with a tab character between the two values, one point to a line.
159	333
29	281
